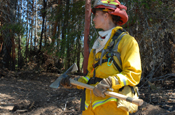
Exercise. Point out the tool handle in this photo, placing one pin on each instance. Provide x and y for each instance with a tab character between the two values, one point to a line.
138	102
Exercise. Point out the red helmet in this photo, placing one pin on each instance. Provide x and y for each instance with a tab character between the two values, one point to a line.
114	8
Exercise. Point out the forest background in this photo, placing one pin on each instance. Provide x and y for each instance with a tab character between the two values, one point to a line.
48	35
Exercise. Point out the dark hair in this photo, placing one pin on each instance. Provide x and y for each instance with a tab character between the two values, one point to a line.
115	19
95	9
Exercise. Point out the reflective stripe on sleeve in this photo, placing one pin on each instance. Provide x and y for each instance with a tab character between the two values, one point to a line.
86	78
100	102
123	79
86	105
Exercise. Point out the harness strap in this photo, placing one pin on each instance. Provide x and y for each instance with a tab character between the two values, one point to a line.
98	63
83	98
115	48
117	54
116	35
94	80
116	65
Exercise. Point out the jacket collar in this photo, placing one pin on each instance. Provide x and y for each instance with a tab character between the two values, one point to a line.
112	34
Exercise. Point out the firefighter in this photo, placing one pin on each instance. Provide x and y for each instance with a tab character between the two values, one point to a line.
114	63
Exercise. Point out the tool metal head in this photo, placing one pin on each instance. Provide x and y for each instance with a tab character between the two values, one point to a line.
56	83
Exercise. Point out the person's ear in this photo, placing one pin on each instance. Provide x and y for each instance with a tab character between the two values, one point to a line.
106	15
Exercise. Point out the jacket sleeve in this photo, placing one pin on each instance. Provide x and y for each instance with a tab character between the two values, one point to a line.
131	63
86	78
90	61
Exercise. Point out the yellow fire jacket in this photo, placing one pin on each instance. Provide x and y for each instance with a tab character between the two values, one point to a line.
131	68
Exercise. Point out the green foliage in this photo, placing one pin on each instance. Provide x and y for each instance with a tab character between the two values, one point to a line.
23	45
17	28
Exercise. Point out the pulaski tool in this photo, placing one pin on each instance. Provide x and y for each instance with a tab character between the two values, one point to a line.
74	67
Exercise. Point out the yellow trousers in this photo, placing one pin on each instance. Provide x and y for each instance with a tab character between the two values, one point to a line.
109	108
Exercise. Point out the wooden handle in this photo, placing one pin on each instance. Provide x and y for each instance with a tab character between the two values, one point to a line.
138	102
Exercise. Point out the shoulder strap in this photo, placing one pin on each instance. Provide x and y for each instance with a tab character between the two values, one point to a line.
110	47
117	36
113	48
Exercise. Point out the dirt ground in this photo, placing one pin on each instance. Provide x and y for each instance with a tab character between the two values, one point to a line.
28	93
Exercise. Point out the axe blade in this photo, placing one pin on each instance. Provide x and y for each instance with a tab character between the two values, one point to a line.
56	83
72	68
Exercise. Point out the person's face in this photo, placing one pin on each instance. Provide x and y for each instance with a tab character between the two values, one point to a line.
99	19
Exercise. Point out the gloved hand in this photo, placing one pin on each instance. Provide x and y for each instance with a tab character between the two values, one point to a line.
102	86
128	106
82	81
65	82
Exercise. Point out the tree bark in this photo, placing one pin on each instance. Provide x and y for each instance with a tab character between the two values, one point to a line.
86	34
56	21
43	22
19	36
31	25
27	33
35	40
43	16
13	54
69	43
63	41
78	52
